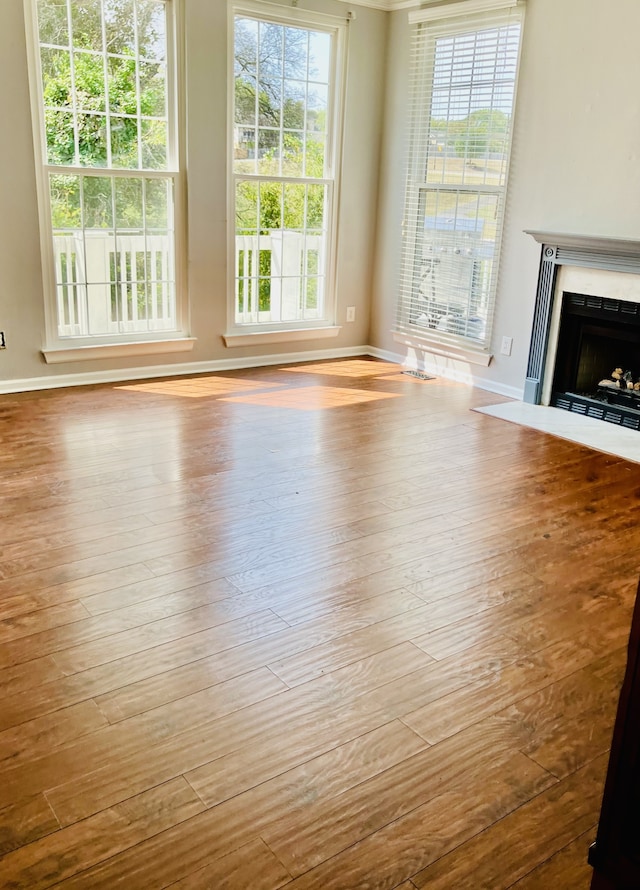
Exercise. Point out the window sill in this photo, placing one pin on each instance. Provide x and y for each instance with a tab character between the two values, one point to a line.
449	350
256	338
58	355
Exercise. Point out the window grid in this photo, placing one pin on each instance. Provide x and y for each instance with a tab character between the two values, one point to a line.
282	178
113	276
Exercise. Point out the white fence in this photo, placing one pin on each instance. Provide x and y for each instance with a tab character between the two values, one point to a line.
295	259
107	285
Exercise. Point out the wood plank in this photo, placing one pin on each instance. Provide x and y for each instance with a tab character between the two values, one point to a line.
488	860
128	630
165	859
227	659
23	823
530	616
442	718
195	579
568	868
309	719
91	529
23	625
158	690
381	606
50	591
563	726
225	631
402	846
116	743
333	654
70	850
15	680
42	735
252	865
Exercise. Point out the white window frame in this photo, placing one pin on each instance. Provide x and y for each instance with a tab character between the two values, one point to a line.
276	332
436	23
78	348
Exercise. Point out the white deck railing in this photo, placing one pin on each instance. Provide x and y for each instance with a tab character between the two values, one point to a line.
108	285
290	262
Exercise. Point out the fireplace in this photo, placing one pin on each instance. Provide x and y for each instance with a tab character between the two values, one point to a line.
597	365
586	325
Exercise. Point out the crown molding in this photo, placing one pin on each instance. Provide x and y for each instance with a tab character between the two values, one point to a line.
394	5
424	6
386	5
436	11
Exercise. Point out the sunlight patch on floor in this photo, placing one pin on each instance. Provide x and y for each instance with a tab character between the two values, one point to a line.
311	398
357	368
198	388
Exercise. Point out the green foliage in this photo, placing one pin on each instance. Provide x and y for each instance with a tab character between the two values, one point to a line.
65	202
482	133
89	102
265	207
281	206
77	81
99	202
245	105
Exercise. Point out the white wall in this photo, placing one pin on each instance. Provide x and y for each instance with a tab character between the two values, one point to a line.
575	166
21	300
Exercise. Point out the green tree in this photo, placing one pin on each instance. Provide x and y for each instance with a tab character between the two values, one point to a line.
75	89
481	133
280	130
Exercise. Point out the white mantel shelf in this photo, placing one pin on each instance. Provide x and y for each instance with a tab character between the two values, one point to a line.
594	243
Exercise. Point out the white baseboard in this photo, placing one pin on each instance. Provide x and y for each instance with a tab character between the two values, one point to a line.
449	373
511	392
57	381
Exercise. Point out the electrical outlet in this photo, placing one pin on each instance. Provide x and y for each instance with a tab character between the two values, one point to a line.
507	343
351	313
3	342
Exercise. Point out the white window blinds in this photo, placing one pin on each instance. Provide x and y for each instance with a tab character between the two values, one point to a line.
464	65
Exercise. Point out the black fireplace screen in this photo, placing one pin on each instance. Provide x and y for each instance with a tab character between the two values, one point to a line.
597	369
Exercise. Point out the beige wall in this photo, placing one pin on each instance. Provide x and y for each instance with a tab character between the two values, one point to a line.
21	312
575	166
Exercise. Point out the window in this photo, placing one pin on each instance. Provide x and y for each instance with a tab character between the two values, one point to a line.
464	72
285	149
105	88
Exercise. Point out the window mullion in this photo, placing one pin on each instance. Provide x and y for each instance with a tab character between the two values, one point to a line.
136	40
309	180
481	188
105	66
115	173
74	104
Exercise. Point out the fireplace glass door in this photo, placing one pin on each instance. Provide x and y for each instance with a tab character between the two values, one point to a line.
597	369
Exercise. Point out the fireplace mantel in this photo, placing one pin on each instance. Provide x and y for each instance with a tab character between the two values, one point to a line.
567	249
593	243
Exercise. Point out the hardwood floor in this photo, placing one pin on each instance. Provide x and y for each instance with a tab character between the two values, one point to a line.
319	626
